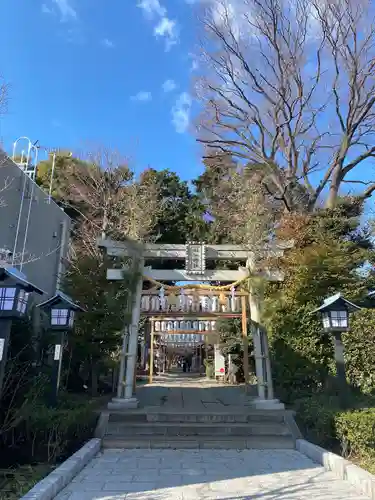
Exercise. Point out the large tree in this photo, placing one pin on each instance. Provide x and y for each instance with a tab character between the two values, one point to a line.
288	88
330	254
181	212
106	200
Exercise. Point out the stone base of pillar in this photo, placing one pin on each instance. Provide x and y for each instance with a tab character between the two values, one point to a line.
123	404
268	404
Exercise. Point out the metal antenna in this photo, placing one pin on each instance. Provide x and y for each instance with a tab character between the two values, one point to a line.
29	145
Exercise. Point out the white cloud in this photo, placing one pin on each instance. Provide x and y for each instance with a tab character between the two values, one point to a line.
167	28
169	85
142	96
164	27
46	9
67	11
106	42
152	8
181	113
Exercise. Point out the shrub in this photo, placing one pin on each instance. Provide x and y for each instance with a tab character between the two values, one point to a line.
350	433
356	432
301	354
316	418
47	435
54	434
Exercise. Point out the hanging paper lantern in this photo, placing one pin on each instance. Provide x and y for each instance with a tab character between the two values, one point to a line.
155	303
214	303
195	303
145	303
233	299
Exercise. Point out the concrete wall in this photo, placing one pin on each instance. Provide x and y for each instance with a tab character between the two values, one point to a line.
48	228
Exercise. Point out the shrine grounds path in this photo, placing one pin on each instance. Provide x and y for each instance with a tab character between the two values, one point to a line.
144	474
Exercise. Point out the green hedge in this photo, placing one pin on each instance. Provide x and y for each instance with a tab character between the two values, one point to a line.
356	433
47	435
316	418
350	433
57	433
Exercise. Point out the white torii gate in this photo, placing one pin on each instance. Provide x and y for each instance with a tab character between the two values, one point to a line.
195	256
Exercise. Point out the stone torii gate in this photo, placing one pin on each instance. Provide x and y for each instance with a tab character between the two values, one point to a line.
195	256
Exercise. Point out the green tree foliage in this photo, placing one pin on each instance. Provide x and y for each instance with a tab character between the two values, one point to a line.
65	164
359	350
328	257
181	217
107	201
97	334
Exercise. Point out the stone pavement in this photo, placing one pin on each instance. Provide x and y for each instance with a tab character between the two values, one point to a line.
187	391
205	475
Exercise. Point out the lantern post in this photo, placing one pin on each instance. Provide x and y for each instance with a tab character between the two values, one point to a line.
61	314
335	312
14	298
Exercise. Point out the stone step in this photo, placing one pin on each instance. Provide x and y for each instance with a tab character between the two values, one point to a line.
124	429
275	416
229	443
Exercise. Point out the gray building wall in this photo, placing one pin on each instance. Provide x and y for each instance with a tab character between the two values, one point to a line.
46	240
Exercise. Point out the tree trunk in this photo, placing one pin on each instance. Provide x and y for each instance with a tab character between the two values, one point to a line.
334	187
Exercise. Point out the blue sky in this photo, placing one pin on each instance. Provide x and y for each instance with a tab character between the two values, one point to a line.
110	73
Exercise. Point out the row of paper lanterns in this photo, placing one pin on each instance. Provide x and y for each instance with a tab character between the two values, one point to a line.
183	338
170	326
187	302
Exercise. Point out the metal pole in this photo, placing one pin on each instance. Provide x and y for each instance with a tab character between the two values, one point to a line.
51	180
5	328
56	370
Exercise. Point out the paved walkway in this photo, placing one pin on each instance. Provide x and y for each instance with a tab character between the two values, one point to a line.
206	475
203	474
187	391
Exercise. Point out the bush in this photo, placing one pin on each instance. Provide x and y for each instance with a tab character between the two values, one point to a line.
48	435
54	434
301	355
316	418
356	433
349	433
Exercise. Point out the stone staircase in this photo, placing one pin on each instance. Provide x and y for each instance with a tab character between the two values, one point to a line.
256	429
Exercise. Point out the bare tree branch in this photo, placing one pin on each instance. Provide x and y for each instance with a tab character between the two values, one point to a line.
109	200
290	86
